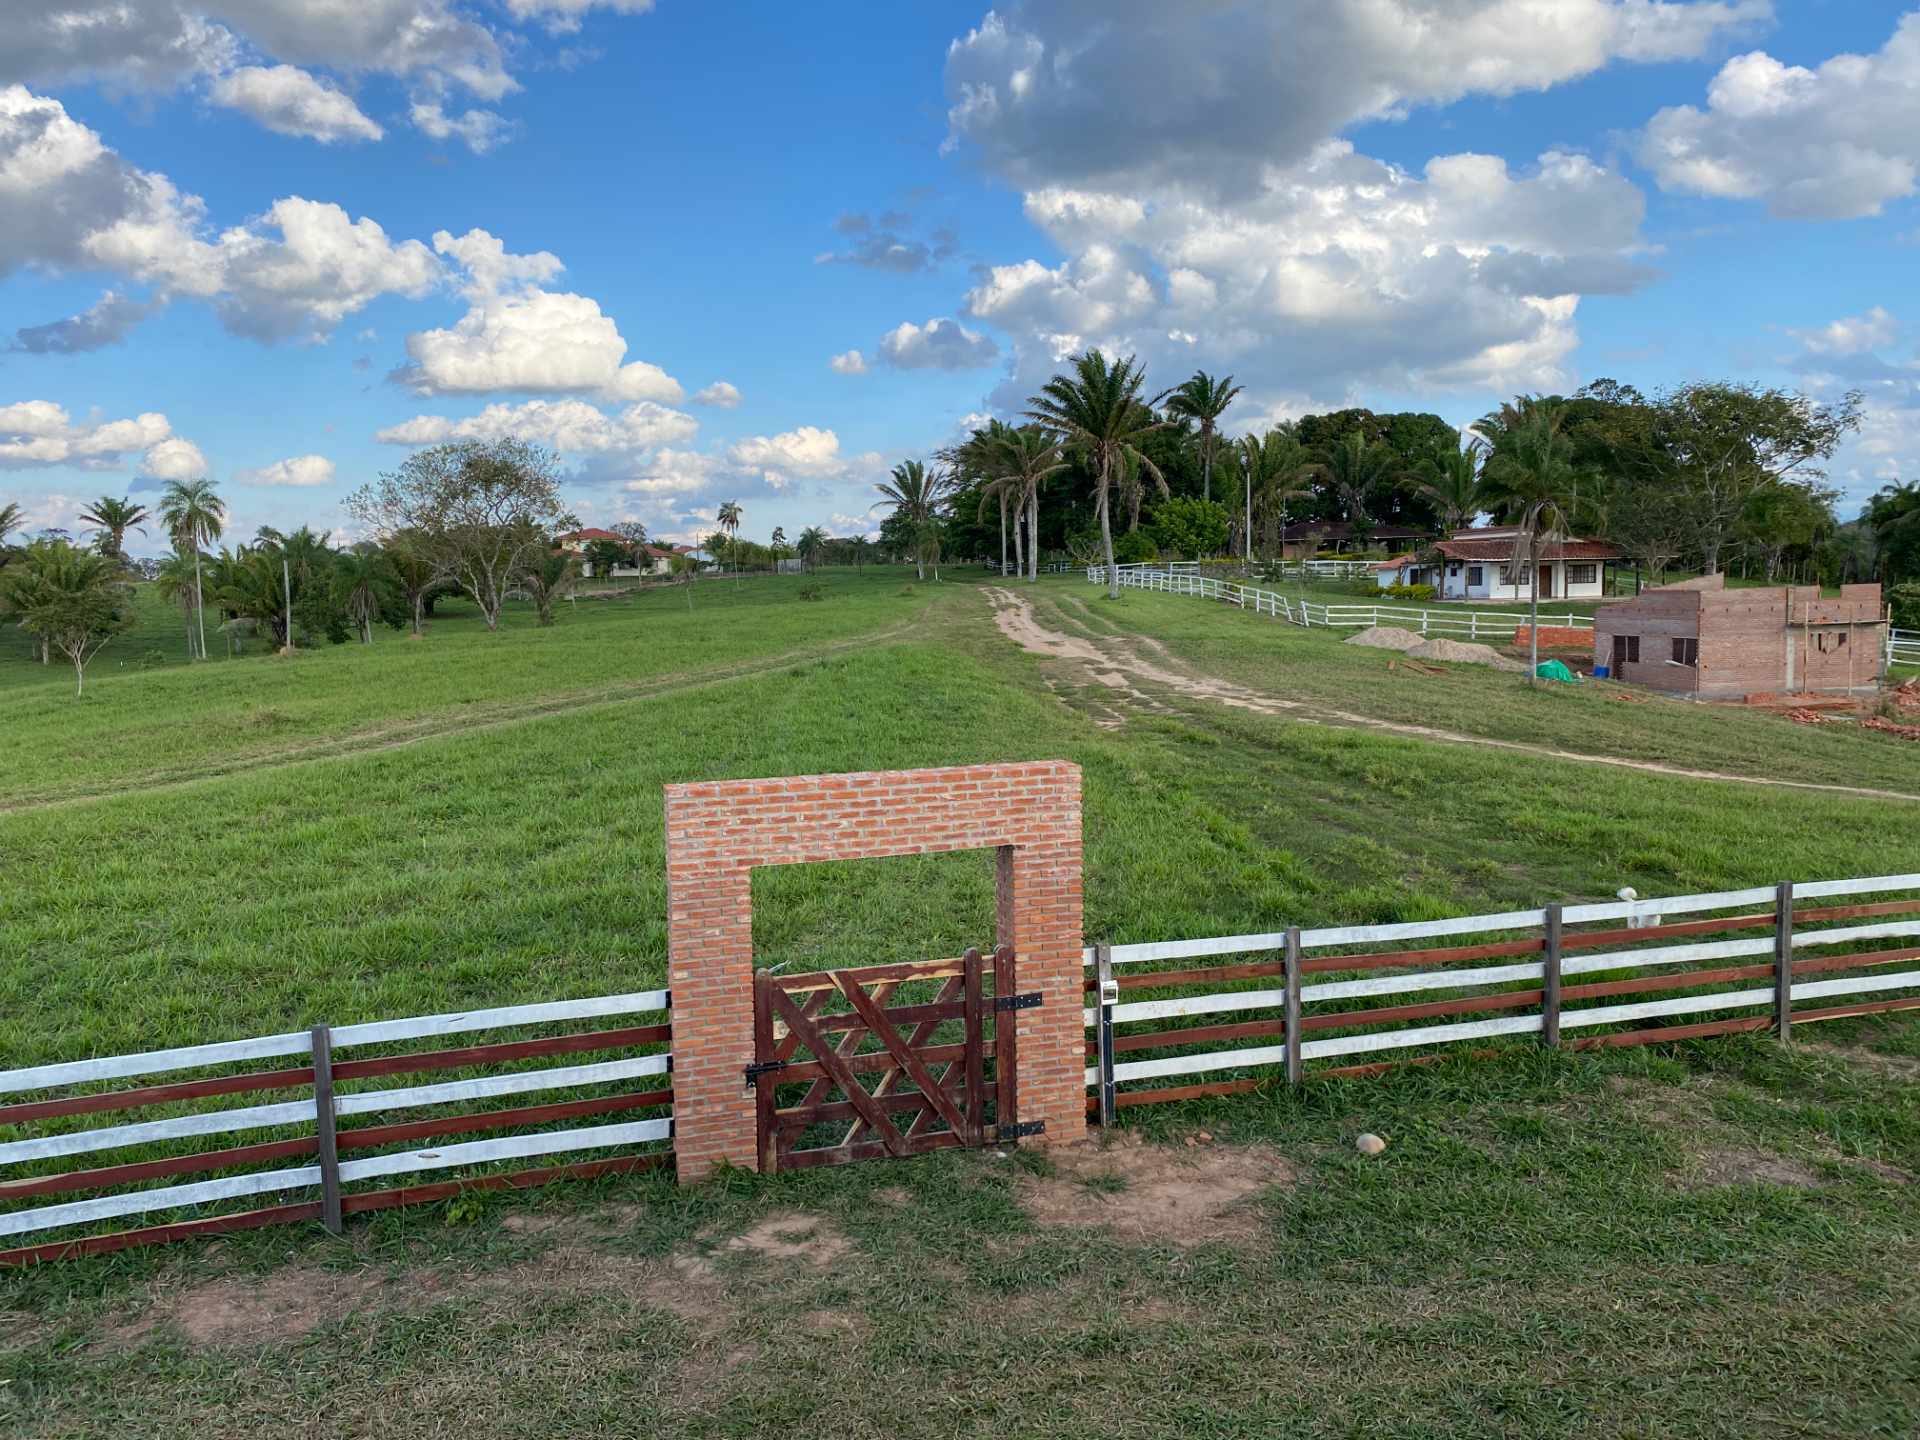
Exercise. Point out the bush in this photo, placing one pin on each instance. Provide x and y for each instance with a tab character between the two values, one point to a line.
1411	592
1905	602
813	591
1134	548
1189	527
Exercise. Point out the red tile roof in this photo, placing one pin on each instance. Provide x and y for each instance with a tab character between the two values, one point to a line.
593	534
1499	546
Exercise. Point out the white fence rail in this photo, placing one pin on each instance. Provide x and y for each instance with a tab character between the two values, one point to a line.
1799	936
1903	647
333	1092
1440	620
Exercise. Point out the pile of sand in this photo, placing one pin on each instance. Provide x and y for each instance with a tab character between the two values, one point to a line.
1387	637
1460	652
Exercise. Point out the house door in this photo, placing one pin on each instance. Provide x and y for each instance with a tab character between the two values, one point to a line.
1545	588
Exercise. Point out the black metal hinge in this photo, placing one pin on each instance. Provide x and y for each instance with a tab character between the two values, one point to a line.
762	1067
1016	1132
1017	1002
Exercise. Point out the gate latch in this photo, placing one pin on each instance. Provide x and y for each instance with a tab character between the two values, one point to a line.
762	1067
1017	1002
1015	1132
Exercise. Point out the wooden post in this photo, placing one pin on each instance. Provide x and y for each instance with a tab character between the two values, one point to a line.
329	1147
1550	988
1107	993
1294	1063
1006	1045
765	1087
976	1050
1783	960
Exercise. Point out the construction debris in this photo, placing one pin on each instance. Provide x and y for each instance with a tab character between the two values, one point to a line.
1888	727
1801	715
1416	667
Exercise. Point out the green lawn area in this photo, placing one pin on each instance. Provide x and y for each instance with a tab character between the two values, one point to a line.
1713	1240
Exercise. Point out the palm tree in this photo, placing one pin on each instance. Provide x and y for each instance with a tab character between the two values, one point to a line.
813	540
1533	480
363	579
1276	470
175	581
10	518
729	520
1450	480
1027	458
194	516
860	545
1099	411
916	495
70	600
112	519
1358	468
974	461
1204	400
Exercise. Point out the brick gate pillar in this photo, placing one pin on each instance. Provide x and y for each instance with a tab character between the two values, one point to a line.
718	832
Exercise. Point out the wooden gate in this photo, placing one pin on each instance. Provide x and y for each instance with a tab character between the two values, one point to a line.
898	1054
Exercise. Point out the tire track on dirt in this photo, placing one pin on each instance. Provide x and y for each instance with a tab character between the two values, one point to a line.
1111	662
471	720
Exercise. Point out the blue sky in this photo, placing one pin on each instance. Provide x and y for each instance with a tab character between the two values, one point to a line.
229	262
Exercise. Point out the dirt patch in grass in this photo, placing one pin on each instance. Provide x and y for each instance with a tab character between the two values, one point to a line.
268	1309
1710	1169
1892	1067
792	1235
1148	1193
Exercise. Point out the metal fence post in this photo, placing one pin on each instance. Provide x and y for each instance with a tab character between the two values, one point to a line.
1293	1005
1109	994
329	1145
1783	960
1550	989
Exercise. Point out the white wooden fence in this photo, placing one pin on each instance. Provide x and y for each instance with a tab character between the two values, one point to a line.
309	1125
1630	956
1446	620
1903	647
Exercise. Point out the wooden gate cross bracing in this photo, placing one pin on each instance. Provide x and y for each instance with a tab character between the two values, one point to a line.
928	1090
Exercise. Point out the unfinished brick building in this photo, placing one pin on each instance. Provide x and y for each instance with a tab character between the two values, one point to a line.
1701	639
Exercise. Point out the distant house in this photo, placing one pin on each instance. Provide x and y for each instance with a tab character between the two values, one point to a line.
1701	639
1306	538
1478	565
654	561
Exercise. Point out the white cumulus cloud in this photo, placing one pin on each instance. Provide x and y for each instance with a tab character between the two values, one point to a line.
289	101
39	434
1831	143
940	344
721	395
571	427
851	362
299	471
479	130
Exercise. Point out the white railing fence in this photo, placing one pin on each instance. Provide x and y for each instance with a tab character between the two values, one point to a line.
1047	567
54	1124
1903	647
1439	620
1352	1009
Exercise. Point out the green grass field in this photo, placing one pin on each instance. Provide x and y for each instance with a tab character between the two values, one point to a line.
1713	1241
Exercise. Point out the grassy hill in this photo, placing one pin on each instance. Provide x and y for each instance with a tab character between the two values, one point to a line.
474	819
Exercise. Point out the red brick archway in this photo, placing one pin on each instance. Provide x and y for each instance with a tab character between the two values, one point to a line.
718	832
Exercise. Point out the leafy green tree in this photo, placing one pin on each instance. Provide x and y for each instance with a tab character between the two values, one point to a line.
1358	469
1188	528
1532	477
1099	410
1786	517
481	513
416	576
1204	400
194	516
604	555
111	519
1893	518
74	601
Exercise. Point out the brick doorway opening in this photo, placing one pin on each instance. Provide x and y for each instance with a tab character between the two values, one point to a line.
719	832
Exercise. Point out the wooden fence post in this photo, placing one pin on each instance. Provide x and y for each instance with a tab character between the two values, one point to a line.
1294	1071
1550	987
766	1099
1107	993
1783	960
1006	1049
327	1135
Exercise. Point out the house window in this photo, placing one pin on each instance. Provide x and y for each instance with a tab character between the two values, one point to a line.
1828	641
1626	651
1476	575
1506	575
1686	651
1583	574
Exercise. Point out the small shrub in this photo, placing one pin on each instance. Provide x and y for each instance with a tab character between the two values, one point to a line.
1134	548
1905	603
1411	592
813	590
151	660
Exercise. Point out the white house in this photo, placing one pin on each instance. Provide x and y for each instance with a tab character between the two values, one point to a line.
1478	565
653	561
